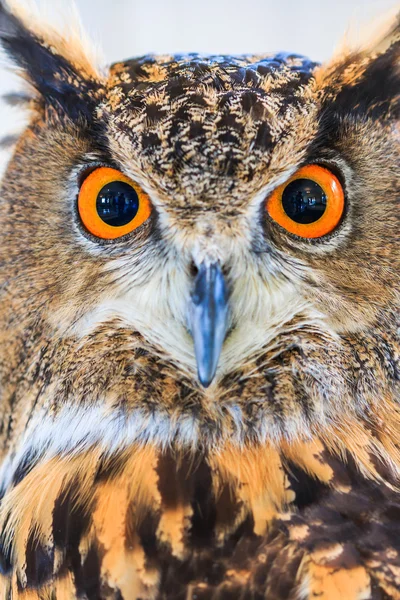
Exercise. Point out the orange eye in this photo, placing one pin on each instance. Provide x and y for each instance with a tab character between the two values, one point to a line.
310	204
111	205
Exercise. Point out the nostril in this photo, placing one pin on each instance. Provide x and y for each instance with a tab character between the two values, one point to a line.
193	270
225	270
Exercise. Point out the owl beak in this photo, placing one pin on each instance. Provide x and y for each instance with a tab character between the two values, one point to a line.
208	319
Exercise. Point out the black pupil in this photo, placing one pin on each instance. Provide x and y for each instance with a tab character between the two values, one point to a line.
117	203
304	201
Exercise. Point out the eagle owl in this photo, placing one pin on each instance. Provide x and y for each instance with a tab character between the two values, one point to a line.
199	325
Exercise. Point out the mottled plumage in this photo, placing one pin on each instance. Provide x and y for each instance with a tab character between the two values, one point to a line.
123	477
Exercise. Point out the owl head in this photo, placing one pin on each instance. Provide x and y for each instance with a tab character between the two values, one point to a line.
202	247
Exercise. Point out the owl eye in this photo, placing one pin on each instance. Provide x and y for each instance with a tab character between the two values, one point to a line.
310	204
111	205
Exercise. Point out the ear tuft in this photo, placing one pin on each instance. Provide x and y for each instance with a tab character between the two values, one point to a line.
376	37
364	76
59	67
71	42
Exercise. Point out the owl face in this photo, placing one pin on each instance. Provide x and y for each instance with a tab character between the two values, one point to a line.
213	309
199	144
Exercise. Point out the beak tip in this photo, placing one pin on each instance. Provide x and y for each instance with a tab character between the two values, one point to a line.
206	379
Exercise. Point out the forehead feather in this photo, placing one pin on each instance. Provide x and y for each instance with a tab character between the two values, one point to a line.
206	125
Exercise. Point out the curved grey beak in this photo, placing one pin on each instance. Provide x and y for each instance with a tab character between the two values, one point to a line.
208	319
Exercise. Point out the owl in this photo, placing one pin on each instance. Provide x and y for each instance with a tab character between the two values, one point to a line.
199	324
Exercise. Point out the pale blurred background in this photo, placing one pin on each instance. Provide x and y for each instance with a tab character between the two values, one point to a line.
125	28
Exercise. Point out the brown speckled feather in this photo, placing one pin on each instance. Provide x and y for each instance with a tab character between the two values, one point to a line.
121	476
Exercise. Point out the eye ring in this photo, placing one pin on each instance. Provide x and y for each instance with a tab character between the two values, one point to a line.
323	213
111	205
